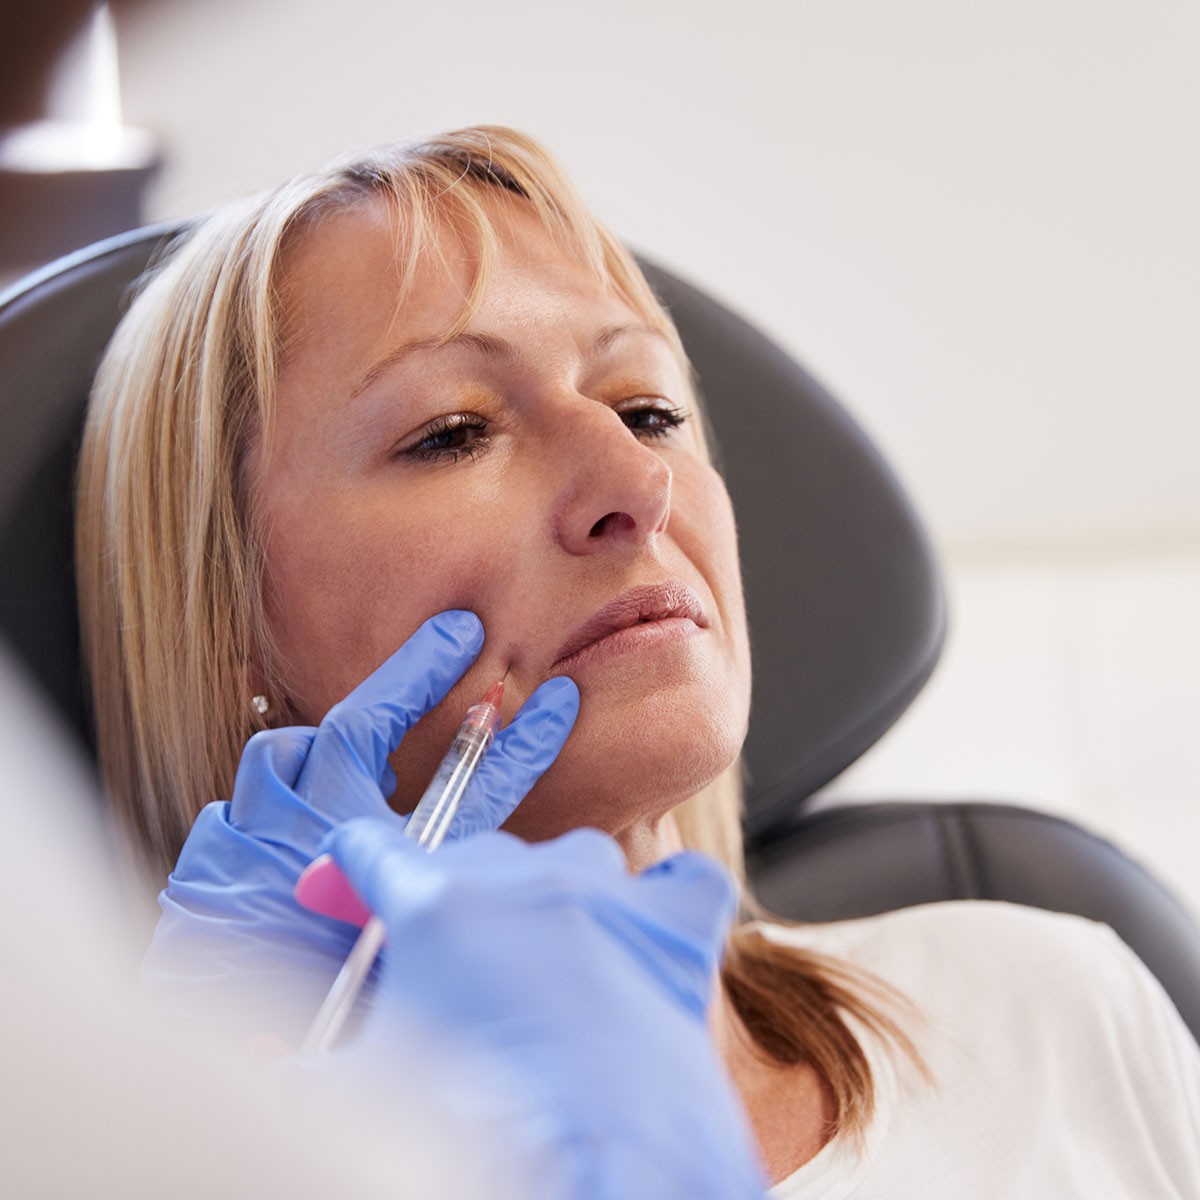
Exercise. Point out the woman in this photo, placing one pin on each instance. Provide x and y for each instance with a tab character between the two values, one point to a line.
426	379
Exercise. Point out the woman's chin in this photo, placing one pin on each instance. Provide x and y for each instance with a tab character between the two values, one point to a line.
614	775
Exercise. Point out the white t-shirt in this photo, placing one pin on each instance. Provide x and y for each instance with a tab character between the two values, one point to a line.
1061	1067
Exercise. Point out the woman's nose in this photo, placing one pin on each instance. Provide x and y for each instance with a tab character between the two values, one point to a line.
615	490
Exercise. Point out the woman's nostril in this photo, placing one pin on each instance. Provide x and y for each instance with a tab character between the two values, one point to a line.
613	522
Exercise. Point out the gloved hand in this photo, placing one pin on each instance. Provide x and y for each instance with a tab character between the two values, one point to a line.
231	939
565	1000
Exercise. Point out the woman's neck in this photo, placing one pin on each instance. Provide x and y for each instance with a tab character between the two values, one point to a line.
649	842
791	1108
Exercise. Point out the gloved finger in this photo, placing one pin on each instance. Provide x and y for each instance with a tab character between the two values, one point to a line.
263	803
277	752
347	773
523	749
227	871
695	894
388	871
586	855
675	919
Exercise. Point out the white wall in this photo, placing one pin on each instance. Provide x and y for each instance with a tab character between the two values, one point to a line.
1067	686
975	222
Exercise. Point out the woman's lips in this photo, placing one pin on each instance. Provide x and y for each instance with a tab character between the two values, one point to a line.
645	636
643	603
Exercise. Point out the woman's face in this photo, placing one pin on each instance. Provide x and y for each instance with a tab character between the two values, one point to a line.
531	470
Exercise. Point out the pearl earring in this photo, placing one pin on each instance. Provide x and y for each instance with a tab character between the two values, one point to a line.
261	705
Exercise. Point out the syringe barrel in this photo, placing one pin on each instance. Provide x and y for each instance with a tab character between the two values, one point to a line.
435	810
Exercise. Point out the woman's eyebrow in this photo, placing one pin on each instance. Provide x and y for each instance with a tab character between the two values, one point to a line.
611	333
487	345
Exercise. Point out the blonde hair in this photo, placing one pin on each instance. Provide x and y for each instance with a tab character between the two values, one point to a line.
170	562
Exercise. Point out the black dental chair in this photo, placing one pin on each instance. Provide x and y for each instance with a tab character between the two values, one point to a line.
846	614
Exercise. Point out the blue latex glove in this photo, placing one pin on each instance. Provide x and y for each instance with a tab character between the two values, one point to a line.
232	942
567	999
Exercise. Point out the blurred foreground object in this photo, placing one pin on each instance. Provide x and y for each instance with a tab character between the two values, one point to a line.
101	1095
70	171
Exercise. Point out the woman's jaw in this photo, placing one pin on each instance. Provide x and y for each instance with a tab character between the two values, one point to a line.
655	726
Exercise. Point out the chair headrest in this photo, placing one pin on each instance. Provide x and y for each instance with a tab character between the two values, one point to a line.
54	326
845	603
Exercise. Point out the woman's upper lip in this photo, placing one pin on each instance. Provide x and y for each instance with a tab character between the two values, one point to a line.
648	602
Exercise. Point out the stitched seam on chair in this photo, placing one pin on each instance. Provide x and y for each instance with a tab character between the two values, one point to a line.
958	854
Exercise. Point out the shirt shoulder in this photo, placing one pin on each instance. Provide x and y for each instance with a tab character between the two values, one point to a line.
1028	1020
930	946
1000	975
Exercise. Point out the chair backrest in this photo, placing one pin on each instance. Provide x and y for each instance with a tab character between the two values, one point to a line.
845	602
54	326
863	859
843	594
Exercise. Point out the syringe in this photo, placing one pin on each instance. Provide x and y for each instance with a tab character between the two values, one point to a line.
428	825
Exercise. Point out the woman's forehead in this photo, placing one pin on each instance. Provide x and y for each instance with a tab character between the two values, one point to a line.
356	256
357	272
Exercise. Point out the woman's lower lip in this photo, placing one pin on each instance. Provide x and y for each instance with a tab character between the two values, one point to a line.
646	636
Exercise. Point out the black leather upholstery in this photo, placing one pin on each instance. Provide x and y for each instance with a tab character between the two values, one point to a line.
858	860
842	590
846	615
54	326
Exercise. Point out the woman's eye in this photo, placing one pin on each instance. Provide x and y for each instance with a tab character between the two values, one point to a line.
653	419
448	438
451	437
